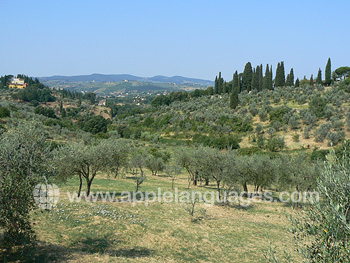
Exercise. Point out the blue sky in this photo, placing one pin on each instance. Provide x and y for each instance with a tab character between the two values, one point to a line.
188	38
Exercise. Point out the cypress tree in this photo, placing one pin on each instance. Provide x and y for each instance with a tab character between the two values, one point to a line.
290	78
216	87
255	80
297	82
280	75
235	81
247	77
270	79
261	77
311	80
328	72
283	76
220	83
240	82
234	97
266	77
287	80
319	77
224	87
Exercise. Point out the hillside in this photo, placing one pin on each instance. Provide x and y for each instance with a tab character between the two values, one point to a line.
247	158
122	77
123	83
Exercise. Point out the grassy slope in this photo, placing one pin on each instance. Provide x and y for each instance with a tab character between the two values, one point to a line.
161	232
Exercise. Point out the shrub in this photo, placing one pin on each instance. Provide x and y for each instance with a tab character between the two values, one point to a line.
48	112
262	115
277	113
321	133
276	125
317	105
4	112
258	129
306	132
294	122
24	158
309	118
296	137
335	137
275	144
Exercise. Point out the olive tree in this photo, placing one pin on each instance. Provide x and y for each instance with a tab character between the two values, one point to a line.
117	155
322	230
138	160
82	160
24	161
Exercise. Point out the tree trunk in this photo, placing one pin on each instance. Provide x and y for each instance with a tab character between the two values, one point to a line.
172	184
218	188
206	181
195	179
80	185
116	172
245	189
88	185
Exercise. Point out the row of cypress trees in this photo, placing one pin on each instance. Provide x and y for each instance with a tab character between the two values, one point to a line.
253	79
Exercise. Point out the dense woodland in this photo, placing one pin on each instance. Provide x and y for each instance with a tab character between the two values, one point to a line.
57	134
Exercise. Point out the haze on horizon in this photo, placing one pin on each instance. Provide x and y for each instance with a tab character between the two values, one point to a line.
188	38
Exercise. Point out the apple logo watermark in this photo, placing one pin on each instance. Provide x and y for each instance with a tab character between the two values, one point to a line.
46	195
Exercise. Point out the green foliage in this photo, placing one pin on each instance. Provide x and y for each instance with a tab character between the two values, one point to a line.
234	97
319	77
321	132
247	77
296	137
34	93
322	230
277	113
328	72
221	142
4	80
4	112
290	78
280	75
342	71
317	105
275	144
94	124
48	112
24	161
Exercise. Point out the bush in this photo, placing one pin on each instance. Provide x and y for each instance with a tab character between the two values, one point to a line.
24	158
306	132
321	133
296	137
309	118
294	122
277	113
275	144
94	124
317	105
262	115
4	112
322	230
335	137
48	112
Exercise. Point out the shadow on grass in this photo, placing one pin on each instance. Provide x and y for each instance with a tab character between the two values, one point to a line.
41	252
46	252
134	252
108	246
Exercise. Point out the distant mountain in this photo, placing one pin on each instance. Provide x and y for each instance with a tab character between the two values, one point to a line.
121	77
